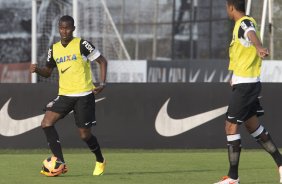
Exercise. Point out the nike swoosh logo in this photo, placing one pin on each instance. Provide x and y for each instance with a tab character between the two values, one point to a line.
166	126
94	122
230	117
63	71
11	127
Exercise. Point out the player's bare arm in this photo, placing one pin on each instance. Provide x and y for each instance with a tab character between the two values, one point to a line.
262	52
103	70
44	72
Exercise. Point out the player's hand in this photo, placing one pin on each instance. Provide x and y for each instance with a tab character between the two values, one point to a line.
262	52
33	68
98	90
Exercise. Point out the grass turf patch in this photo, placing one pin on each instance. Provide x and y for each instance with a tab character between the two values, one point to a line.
138	166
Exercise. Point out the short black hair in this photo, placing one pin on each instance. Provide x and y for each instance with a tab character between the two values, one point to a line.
67	18
238	4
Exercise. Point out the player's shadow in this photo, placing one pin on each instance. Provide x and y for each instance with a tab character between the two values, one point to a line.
143	173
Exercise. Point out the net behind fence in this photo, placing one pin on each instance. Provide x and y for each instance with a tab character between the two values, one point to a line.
94	24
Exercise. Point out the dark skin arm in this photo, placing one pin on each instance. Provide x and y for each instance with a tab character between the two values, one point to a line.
44	72
103	70
262	52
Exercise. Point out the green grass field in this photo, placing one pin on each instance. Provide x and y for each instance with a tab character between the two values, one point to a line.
138	166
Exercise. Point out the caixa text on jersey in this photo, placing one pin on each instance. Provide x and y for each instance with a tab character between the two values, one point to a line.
66	58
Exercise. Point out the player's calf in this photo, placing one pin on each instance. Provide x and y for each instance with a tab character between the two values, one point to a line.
265	140
234	150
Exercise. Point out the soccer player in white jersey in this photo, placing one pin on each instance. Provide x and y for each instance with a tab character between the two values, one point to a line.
246	53
72	57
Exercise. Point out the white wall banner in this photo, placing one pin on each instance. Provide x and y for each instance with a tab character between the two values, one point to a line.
15	73
127	71
271	71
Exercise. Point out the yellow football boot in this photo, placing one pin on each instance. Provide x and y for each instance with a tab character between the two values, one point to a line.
99	168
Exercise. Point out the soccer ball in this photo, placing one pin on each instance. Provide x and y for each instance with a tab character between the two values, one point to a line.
52	166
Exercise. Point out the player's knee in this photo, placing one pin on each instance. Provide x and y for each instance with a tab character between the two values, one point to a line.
49	119
45	123
85	135
252	124
230	128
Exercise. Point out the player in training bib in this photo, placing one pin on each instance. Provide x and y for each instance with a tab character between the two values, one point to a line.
246	53
72	57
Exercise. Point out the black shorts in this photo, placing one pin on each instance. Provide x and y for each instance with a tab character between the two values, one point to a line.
83	109
244	102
